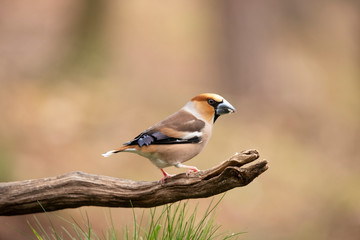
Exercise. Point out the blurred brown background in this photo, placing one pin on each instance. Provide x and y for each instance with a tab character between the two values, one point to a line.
79	78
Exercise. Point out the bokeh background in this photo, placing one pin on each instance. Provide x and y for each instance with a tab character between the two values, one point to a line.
81	77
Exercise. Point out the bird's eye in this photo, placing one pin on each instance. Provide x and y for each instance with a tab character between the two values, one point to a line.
211	101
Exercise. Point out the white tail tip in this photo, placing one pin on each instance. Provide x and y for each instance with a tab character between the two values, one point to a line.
108	154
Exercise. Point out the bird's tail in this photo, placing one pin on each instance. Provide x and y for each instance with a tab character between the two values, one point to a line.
109	153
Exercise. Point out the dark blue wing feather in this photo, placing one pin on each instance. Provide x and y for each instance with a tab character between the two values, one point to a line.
159	138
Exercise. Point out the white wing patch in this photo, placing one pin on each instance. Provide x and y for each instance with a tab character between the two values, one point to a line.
190	135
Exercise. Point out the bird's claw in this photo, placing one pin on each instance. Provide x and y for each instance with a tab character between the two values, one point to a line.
166	175
192	170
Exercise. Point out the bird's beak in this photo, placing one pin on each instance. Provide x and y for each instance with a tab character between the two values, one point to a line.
224	108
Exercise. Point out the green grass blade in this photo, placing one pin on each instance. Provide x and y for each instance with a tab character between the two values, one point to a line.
174	221
37	235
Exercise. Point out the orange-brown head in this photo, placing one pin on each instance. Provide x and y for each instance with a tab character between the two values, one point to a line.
210	106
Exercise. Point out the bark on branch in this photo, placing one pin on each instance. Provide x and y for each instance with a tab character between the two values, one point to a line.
76	189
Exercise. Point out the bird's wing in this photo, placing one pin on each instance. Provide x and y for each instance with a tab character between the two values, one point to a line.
179	128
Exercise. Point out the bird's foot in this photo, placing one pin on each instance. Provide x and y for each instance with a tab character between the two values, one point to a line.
192	170
166	175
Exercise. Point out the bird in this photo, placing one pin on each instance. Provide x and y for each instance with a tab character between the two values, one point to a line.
181	136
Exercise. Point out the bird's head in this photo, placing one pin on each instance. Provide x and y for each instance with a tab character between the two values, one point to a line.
210	106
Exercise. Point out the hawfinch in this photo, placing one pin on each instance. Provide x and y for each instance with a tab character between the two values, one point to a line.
181	136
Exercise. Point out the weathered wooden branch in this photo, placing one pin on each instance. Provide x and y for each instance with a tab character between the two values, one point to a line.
77	189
